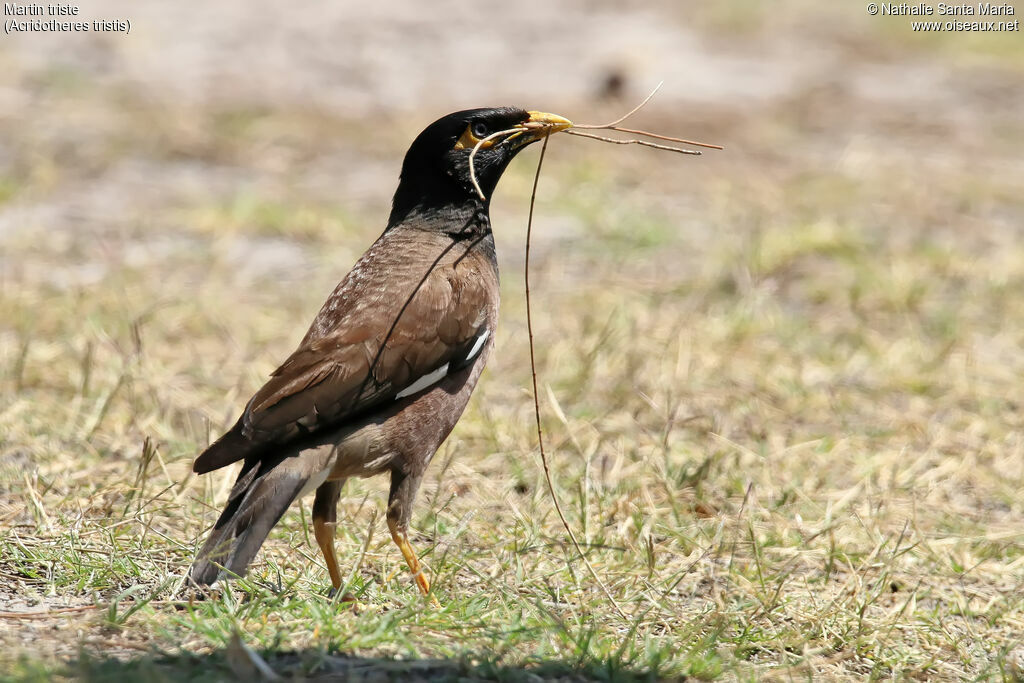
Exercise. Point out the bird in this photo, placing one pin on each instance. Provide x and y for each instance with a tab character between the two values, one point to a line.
388	364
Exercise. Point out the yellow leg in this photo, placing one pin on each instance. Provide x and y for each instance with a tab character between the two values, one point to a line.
324	533
325	518
401	539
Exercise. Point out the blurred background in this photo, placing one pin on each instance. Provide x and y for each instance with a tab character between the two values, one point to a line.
826	315
198	123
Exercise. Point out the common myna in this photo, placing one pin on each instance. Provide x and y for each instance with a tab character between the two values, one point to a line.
387	367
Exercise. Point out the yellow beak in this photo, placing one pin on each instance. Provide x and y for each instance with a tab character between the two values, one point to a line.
550	123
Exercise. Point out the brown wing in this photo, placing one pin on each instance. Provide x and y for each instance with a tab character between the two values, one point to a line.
425	297
344	371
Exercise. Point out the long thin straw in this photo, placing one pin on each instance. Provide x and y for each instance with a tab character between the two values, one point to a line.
476	148
614	125
634	141
536	401
627	114
658	136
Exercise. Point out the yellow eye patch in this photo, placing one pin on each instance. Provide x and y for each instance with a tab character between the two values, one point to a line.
469	141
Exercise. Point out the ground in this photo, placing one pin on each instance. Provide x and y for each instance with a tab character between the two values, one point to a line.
781	384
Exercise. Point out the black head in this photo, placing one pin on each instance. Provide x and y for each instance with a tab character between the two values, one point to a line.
436	173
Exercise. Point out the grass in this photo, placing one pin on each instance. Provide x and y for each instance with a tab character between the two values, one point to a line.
780	390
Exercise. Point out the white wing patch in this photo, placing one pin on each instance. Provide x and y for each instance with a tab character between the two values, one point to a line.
437	375
479	344
424	382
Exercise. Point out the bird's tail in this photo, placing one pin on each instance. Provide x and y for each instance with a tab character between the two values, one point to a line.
261	495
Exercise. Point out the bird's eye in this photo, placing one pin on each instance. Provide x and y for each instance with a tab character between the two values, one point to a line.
480	130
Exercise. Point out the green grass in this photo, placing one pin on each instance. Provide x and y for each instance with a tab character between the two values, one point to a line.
780	389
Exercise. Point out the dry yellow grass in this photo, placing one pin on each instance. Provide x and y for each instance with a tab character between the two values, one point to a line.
782	386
